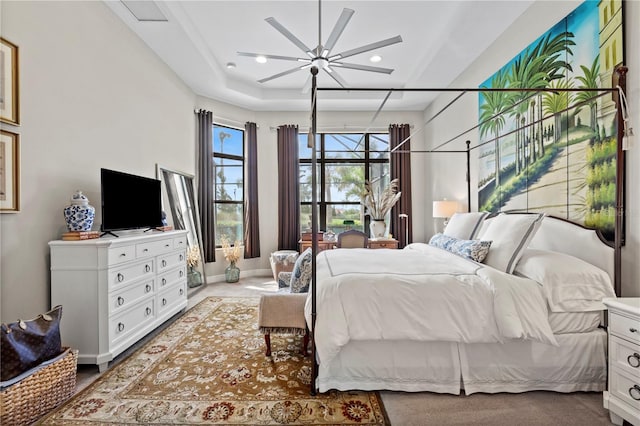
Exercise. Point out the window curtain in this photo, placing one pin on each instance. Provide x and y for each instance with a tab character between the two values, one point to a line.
400	163
251	217
205	173
288	193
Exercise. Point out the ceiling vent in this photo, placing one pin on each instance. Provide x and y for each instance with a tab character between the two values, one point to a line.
145	11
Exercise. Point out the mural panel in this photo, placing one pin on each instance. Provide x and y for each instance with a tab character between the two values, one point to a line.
555	151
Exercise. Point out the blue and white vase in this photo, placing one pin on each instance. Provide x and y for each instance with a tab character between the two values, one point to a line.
79	215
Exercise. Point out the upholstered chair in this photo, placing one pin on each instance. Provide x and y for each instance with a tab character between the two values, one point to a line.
352	239
283	312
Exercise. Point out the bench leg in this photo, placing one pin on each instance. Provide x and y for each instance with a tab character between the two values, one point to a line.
267	341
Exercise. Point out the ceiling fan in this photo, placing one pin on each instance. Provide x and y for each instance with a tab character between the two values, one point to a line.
320	56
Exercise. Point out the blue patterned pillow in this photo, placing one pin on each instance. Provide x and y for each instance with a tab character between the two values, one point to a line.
471	249
301	274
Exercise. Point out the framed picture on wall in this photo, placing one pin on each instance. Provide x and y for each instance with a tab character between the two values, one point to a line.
9	172
9	96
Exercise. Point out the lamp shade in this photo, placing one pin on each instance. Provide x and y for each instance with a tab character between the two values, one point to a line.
445	208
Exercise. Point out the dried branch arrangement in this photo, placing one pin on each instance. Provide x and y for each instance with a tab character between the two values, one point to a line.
231	253
378	202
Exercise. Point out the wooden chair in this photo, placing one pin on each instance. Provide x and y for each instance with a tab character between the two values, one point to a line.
352	239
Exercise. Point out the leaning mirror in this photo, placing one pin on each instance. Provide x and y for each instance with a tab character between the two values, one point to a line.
179	195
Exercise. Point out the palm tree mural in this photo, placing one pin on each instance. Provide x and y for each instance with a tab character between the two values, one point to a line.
554	103
492	119
589	80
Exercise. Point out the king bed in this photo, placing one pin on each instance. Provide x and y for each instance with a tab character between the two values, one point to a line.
426	318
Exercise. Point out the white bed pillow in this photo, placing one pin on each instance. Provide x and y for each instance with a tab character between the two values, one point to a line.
568	283
464	226
510	235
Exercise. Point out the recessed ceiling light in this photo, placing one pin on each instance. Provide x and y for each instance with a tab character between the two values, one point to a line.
231	65
375	58
261	59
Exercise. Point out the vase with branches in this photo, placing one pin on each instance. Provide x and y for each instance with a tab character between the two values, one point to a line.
231	254
377	203
194	277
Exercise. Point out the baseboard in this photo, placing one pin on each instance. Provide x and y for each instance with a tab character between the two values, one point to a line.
267	273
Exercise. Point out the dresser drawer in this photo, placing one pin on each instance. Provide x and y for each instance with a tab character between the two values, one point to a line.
169	278
154	248
171	297
624	356
129	296
170	260
122	254
626	388
119	277
383	244
624	327
180	242
131	321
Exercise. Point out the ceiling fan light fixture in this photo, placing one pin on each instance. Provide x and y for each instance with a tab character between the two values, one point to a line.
375	58
261	59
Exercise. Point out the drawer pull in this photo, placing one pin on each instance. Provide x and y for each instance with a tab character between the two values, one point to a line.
181	257
180	242
634	392
164	281
633	330
167	245
120	326
164	263
120	300
634	360
181	292
123	254
145	250
147	311
164	301
147	288
182	273
147	268
120	277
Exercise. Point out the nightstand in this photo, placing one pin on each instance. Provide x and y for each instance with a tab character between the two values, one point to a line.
623	395
379	244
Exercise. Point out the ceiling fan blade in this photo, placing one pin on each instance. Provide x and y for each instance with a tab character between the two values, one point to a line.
338	29
334	75
285	32
284	58
283	73
362	67
368	47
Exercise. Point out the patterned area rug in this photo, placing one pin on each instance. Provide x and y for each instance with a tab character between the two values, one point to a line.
209	367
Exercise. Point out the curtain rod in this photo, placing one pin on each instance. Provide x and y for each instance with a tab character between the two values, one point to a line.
231	121
466	89
343	128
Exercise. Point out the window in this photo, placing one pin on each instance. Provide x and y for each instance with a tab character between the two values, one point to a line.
228	160
344	161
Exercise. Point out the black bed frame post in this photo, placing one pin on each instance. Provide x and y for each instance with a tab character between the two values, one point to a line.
468	176
314	228
619	78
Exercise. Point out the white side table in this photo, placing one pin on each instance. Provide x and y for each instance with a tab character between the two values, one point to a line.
623	395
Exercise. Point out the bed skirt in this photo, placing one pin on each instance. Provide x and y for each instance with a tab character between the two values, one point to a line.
577	364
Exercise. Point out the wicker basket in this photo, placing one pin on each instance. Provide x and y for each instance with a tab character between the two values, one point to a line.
35	395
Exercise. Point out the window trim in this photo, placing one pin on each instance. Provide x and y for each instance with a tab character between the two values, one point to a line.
322	160
242	159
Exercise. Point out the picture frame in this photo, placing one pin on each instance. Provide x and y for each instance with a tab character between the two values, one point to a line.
9	172
9	87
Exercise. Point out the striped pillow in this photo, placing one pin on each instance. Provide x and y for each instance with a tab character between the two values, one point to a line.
510	235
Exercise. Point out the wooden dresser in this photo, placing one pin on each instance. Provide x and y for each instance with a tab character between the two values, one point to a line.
623	395
329	245
114	291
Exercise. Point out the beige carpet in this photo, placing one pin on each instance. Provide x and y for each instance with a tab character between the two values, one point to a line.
209	367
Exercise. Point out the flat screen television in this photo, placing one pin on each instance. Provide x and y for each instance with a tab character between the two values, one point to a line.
129	201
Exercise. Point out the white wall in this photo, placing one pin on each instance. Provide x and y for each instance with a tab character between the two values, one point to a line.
446	173
92	95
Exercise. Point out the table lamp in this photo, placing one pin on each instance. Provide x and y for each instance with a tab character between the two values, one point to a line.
445	209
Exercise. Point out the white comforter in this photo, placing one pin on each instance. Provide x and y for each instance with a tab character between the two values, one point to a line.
420	293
